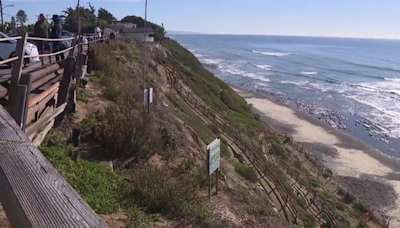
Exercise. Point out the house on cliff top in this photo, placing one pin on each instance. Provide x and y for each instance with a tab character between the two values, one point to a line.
131	31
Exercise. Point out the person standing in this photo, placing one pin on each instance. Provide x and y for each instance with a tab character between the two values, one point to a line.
97	32
56	33
41	30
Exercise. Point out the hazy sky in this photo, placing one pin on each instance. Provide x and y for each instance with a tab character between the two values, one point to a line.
338	18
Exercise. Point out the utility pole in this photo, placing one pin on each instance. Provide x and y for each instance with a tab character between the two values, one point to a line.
145	47
2	16
79	18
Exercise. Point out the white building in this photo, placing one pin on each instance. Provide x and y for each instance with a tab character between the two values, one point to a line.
131	31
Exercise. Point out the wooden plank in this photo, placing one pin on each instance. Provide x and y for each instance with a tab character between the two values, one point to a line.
35	100
40	106
45	112
40	137
45	119
32	192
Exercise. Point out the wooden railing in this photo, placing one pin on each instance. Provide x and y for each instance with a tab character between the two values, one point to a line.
257	160
277	188
32	192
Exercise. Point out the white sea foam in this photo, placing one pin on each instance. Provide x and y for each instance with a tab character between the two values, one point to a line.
263	67
231	68
310	73
382	98
275	54
298	83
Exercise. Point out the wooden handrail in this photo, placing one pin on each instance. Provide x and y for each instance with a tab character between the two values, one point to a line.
32	192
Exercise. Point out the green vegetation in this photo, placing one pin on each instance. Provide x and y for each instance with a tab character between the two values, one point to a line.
279	150
307	219
81	95
245	171
129	138
88	124
87	178
230	105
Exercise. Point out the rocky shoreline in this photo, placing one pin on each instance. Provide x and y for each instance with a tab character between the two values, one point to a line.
330	116
376	191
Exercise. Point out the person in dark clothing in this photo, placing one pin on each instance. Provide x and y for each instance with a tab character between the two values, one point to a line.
41	30
56	31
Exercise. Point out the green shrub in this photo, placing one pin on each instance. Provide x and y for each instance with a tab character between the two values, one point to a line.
126	131
158	192
102	189
279	150
307	219
82	95
274	139
340	206
246	171
88	124
362	224
112	92
347	198
224	148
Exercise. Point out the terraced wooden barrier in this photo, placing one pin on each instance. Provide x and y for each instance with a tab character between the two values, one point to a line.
287	204
32	192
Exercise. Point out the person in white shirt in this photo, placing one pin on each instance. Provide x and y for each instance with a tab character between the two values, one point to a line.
97	32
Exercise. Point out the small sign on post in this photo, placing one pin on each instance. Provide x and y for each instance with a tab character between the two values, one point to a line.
148	98
213	162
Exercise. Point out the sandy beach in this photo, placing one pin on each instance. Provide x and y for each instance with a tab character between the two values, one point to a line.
357	163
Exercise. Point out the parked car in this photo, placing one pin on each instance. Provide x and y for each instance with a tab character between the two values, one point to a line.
7	50
67	34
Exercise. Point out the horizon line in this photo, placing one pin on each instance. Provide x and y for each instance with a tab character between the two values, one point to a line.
311	36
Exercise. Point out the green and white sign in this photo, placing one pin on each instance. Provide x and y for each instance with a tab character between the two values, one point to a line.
214	155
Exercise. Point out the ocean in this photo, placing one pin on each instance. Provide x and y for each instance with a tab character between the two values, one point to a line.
351	84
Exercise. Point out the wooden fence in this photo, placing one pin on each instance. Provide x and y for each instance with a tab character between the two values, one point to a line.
270	183
322	171
324	213
314	204
33	193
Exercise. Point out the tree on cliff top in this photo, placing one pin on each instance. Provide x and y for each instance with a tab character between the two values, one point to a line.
103	14
159	31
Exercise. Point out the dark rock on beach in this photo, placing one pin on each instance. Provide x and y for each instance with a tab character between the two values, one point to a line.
319	150
371	189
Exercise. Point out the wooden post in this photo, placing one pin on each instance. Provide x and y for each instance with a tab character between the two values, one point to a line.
25	87
64	87
208	173
216	180
16	75
20	105
76	136
90	62
73	43
79	67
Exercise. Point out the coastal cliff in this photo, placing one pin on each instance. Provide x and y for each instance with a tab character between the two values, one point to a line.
141	169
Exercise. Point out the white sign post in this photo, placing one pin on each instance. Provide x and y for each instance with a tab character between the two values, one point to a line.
148	98
213	162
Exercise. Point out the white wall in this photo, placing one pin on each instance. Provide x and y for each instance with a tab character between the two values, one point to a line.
138	36
124	25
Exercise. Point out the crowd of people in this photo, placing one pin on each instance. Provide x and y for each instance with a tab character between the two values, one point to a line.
43	29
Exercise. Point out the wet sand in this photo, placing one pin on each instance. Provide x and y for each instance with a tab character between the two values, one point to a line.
348	157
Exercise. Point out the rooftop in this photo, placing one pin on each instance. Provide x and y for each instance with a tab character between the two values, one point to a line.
136	30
